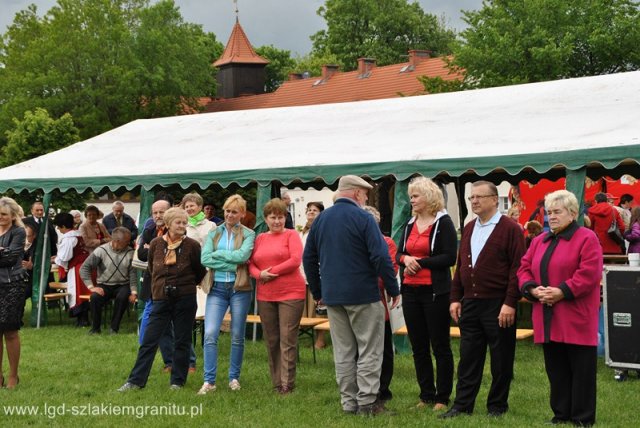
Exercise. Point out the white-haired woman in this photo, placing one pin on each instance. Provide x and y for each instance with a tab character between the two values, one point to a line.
12	286
427	251
560	274
174	265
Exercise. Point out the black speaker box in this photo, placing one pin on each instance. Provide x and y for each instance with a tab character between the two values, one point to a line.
621	298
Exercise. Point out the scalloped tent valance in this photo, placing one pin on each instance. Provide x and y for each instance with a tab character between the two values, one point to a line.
515	131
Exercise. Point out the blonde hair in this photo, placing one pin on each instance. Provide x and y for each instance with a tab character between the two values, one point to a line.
235	202
172	214
192	197
430	190
11	207
564	198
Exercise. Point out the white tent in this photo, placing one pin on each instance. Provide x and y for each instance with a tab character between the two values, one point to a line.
573	123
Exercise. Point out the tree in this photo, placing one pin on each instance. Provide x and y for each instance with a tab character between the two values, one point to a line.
280	62
37	134
382	29
514	41
106	62
312	63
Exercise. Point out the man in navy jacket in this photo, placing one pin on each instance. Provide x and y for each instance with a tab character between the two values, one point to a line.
346	249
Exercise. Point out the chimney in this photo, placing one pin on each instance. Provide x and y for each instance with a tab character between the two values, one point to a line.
417	55
365	65
329	70
295	76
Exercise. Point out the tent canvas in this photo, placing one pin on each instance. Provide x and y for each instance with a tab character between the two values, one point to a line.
571	123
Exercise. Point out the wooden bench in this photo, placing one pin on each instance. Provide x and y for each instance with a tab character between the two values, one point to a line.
306	328
56	297
521	333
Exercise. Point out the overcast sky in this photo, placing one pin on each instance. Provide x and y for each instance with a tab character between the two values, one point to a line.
286	24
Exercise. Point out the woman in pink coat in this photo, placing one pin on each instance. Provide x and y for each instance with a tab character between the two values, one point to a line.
560	274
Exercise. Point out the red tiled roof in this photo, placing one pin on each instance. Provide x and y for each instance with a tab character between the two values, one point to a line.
382	82
239	50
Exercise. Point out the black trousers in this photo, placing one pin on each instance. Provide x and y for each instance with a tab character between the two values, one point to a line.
387	363
427	317
571	370
182	312
120	294
479	328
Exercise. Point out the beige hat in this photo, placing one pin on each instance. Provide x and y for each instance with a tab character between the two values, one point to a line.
349	182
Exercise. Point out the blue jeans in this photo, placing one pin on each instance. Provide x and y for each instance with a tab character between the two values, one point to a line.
166	341
221	297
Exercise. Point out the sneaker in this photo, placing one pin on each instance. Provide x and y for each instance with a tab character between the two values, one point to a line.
175	387
128	386
206	388
234	385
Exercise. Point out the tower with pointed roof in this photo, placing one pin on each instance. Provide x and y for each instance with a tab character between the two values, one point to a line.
241	69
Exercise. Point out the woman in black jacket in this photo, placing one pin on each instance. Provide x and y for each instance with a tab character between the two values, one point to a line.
13	280
426	253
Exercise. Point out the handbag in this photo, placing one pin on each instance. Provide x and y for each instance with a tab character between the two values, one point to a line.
136	263
243	280
614	232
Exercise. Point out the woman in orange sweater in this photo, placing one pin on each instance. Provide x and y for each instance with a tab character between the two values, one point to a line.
281	290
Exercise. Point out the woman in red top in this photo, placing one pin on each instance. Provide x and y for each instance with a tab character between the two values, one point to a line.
427	252
281	290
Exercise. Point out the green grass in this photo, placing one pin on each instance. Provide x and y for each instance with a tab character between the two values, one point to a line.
62	365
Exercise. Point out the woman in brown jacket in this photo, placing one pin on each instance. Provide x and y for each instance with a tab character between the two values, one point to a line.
174	265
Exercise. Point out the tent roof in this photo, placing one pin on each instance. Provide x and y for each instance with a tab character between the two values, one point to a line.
573	123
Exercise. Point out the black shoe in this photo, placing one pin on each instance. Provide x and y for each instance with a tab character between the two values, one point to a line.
374	409
92	332
452	413
496	413
112	331
557	421
385	396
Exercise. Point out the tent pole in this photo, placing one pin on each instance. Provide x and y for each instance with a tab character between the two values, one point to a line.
575	184
44	263
263	195
401	209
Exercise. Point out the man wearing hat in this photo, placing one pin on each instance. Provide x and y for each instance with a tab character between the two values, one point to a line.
346	249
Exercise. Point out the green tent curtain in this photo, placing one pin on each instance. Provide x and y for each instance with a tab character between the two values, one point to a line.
41	268
575	184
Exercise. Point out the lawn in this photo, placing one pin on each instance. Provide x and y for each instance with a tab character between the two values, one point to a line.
62	367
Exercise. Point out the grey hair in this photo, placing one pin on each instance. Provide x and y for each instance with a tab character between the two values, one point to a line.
117	204
121	234
564	198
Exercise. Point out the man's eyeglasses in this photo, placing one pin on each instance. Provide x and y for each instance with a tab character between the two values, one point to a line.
474	197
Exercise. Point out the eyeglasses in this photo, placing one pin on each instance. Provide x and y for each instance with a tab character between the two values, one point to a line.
474	197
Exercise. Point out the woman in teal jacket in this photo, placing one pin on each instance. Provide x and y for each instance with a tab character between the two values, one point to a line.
226	251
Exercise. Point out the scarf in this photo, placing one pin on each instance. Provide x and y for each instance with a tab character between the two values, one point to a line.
170	257
193	221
